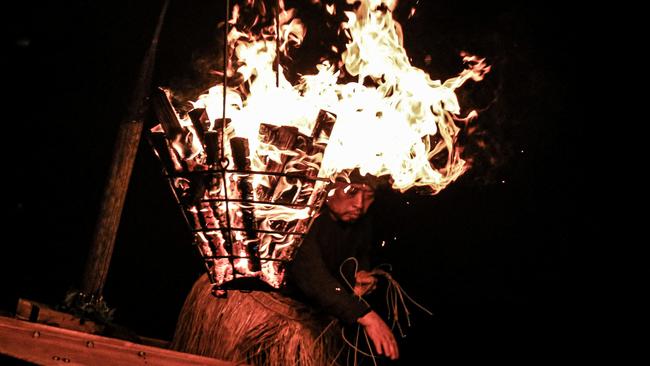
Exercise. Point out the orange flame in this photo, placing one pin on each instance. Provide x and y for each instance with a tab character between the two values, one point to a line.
393	120
392	128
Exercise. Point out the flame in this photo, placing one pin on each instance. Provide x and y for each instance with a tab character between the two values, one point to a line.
392	120
394	127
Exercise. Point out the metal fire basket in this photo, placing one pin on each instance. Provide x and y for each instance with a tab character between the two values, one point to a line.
247	223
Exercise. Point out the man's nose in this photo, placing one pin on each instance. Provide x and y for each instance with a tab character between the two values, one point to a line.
357	200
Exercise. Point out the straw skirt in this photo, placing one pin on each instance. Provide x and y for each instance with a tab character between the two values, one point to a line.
258	328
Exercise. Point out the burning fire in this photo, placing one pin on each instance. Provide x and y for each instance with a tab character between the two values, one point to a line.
393	120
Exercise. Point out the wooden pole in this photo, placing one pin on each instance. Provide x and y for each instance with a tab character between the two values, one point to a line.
101	250
124	151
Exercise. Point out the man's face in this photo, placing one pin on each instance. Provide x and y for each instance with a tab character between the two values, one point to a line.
350	201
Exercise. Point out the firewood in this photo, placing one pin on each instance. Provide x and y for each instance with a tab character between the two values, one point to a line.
213	143
284	138
241	159
165	152
323	126
166	114
200	122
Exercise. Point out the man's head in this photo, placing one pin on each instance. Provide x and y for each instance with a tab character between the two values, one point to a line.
349	199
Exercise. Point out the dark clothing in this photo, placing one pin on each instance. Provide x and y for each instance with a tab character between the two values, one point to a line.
314	276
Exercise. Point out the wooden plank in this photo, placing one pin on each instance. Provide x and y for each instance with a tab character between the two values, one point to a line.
47	345
36	312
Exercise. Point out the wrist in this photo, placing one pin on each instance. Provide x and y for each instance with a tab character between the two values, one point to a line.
367	318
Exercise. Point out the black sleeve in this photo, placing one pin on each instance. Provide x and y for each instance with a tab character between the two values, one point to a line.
364	250
310	275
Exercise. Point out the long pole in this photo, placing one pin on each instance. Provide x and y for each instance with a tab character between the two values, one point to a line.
124	152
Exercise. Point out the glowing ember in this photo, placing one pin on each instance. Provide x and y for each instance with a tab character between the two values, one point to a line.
392	121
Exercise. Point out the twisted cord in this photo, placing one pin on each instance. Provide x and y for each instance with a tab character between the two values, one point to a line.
356	342
396	296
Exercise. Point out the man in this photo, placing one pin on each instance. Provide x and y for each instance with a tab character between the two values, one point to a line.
318	270
294	326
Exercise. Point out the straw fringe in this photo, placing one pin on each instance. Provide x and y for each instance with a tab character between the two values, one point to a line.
259	328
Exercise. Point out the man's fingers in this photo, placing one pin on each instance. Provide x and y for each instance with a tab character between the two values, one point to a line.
391	350
378	346
383	347
395	351
390	346
365	280
382	337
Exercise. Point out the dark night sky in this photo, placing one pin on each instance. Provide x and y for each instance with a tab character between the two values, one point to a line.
491	255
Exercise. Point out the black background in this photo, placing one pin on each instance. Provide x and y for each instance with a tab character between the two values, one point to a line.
491	255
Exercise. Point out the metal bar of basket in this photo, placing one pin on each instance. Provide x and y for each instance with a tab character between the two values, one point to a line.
298	205
242	257
207	230
257	172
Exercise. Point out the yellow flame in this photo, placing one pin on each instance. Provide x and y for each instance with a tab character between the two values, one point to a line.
393	119
393	127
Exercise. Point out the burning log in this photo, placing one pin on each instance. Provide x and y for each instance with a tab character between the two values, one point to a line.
205	214
323	126
214	182
223	224
213	140
305	190
313	147
179	136
209	219
320	137
165	152
214	193
200	122
194	218
283	138
220	268
212	147
215	256
214	249
241	159
311	190
165	113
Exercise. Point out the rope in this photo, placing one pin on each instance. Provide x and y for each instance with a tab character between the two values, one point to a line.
395	296
225	68
223	160
277	44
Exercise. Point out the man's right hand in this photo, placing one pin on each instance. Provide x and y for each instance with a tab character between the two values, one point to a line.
365	283
381	335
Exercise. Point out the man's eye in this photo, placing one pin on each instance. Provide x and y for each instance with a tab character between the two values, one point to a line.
352	191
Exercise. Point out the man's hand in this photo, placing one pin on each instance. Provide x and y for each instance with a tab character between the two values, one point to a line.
381	335
365	283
